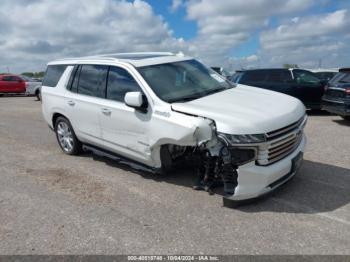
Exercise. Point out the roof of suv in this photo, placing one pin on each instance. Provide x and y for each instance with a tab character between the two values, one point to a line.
136	59
264	69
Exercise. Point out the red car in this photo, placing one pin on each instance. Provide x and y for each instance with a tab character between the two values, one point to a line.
12	84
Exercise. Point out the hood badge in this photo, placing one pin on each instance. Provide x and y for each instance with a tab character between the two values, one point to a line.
165	114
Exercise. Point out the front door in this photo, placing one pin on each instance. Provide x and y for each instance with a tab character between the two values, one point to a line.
124	129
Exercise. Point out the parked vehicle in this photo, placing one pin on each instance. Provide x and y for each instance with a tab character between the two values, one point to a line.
221	71
32	86
11	84
299	83
236	76
160	109
336	98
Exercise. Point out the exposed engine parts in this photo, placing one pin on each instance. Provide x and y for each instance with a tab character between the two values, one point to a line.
217	170
213	167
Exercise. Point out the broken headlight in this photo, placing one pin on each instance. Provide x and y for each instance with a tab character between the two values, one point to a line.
243	139
241	156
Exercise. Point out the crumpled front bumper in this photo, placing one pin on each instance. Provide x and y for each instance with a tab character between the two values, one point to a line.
255	181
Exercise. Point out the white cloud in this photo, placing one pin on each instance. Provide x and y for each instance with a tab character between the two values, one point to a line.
35	32
309	40
175	5
224	25
252	58
52	29
295	19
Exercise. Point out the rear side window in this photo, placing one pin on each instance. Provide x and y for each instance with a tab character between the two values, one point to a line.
53	75
92	80
254	76
280	76
119	83
11	79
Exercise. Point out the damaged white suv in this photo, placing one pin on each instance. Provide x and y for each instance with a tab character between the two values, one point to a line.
160	109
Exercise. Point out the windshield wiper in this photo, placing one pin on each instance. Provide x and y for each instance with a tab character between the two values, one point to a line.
185	98
213	91
199	95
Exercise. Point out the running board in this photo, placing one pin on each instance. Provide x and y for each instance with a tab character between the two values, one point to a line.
119	159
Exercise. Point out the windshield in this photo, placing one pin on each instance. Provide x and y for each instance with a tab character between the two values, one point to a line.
305	77
183	81
341	77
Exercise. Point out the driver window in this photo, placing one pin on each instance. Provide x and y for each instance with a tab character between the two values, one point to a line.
119	83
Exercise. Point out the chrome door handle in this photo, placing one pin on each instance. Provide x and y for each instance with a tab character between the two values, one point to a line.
106	111
71	103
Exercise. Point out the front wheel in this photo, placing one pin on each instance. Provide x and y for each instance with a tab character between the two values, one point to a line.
347	118
66	137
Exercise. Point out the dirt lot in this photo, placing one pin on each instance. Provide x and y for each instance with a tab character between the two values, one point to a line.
51	203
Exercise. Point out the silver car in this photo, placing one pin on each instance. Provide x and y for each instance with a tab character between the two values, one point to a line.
33	86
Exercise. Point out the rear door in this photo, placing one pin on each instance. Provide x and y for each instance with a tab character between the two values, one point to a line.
281	80
84	99
309	87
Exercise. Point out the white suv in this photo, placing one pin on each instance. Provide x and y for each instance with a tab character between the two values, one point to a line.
160	109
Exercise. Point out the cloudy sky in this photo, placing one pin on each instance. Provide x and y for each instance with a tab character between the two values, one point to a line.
232	33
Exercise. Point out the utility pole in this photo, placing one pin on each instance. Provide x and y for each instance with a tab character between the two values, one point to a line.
8	69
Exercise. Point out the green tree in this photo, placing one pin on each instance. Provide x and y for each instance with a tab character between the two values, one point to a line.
34	74
29	74
290	65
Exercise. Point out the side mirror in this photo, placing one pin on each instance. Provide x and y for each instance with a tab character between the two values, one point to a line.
136	100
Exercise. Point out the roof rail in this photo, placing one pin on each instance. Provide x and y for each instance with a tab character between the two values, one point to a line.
115	56
134	53
83	58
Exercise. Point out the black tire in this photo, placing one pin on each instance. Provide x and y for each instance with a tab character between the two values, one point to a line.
38	95
67	140
347	118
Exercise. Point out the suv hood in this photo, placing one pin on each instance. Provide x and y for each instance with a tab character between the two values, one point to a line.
245	110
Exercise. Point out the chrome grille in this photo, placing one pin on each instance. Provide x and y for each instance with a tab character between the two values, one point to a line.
281	143
284	130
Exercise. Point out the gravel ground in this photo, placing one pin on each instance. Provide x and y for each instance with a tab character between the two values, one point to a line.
51	203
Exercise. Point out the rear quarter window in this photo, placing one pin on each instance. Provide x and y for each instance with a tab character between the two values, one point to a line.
280	76
254	76
53	75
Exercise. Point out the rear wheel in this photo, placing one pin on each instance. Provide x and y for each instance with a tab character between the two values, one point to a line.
38	95
66	137
347	118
